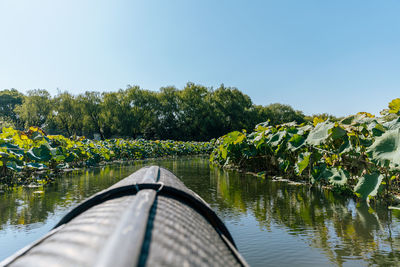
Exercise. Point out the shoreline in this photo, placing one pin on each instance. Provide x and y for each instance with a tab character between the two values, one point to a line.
393	202
51	176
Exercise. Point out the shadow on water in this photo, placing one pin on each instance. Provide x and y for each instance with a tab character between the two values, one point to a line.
303	224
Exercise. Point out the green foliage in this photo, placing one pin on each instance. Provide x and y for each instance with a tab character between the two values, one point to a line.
304	160
385	151
335	176
9	100
90	103
67	114
359	150
24	152
319	134
195	112
368	185
279	113
5	122
321	117
394	106
35	108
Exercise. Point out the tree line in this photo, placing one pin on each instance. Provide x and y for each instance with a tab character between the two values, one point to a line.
195	112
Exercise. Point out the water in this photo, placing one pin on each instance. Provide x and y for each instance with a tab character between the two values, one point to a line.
273	223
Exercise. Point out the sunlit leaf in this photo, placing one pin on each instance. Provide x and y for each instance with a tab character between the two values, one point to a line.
394	106
366	114
319	134
317	120
386	149
296	142
303	161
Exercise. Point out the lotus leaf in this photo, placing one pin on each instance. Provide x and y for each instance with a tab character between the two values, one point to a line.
319	134
393	124
303	161
15	166
335	176
378	130
13	149
345	147
296	142
368	185
276	138
41	153
394	106
38	166
348	120
317	120
337	132
386	149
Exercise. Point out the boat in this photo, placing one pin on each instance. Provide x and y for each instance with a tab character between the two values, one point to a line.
150	218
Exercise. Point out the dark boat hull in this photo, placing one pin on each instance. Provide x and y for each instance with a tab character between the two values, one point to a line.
149	218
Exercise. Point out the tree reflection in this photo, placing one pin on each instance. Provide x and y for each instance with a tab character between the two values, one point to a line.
339	226
24	206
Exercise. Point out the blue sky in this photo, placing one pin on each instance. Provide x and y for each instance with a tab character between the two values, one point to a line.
339	57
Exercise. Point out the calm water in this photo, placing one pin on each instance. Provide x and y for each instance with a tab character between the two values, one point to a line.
273	223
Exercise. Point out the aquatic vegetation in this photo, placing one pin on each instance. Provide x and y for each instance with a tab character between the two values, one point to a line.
359	153
32	153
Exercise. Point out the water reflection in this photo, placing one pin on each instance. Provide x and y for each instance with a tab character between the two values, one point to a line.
26	213
20	206
343	229
288	218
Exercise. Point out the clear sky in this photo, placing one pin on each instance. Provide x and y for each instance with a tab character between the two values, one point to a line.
339	56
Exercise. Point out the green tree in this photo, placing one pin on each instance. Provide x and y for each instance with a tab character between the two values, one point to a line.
232	110
324	116
9	99
117	114
192	113
279	113
67	114
195	111
143	105
168	114
35	108
91	106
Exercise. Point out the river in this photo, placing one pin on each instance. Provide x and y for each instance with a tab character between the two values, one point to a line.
273	223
